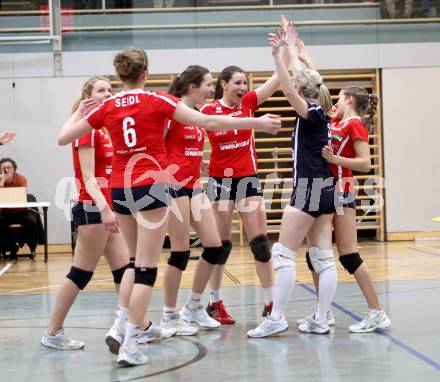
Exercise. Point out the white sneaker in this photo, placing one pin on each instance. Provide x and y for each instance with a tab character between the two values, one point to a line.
154	333
268	327
330	318
136	358
199	316
374	320
114	339
182	327
312	326
60	341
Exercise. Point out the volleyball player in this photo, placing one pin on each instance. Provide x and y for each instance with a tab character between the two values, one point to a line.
184	145
349	150
234	182
97	227
311	206
135	120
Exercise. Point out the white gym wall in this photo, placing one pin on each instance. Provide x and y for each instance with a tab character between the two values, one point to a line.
411	131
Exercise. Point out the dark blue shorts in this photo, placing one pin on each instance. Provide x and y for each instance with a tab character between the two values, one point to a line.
345	200
234	188
189	192
127	201
86	213
313	199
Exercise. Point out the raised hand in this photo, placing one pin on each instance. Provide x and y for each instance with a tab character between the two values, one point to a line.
86	104
303	55
284	23
270	123
291	34
6	137
276	41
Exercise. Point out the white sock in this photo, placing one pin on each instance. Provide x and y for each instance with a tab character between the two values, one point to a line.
268	295
215	295
130	337
121	317
284	283
169	311
328	280
194	300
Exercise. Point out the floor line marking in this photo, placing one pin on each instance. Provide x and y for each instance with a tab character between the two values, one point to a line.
232	277
394	340
6	267
426	249
51	286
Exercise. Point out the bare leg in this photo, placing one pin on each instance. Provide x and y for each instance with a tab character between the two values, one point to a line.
151	229
117	255
224	223
89	248
178	231
346	242
206	228
254	222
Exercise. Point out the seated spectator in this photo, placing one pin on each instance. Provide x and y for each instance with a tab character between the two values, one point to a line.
10	178
6	137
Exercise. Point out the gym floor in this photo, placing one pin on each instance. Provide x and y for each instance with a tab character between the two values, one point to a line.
407	281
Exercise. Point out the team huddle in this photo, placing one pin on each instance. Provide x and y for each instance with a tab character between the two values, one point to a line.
138	159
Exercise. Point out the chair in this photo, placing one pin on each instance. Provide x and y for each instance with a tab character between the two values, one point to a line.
17	236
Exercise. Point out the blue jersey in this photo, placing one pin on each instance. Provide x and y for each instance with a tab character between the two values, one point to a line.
308	139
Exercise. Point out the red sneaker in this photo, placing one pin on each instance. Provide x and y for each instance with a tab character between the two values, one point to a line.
218	312
267	309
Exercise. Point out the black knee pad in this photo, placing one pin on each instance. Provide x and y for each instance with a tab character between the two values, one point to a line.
179	259
227	248
309	263
118	273
351	262
130	265
260	247
212	255
146	276
79	277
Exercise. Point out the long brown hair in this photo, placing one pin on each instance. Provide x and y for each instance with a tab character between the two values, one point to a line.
130	63
225	75
193	74
365	103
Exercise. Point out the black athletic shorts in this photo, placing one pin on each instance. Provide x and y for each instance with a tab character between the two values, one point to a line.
345	199
183	191
313	199
233	188
86	213
127	201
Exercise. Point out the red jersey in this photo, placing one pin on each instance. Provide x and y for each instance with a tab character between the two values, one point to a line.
184	146
233	149
99	140
344	133
135	120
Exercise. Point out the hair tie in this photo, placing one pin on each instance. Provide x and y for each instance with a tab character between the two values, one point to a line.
319	84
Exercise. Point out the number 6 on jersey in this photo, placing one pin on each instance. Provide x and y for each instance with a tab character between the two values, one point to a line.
129	132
